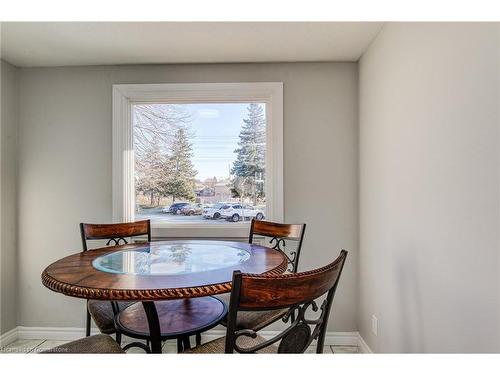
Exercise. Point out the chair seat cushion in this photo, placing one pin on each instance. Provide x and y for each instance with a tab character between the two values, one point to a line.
97	344
254	320
102	314
217	346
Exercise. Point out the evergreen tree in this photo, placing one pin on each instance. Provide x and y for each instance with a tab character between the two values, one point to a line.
180	181
150	172
249	166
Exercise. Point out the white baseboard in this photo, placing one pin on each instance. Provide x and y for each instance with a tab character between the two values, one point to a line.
73	333
8	337
331	338
363	346
52	333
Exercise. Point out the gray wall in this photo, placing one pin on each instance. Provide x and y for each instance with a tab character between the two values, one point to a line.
429	188
8	189
65	166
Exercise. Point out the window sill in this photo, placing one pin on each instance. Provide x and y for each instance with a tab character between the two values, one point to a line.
200	230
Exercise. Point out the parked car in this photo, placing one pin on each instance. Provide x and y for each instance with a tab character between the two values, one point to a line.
192	209
176	208
214	212
237	212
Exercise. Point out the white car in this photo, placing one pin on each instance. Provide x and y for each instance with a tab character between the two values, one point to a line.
214	212
237	212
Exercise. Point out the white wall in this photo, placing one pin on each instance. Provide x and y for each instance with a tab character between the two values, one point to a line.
429	188
8	189
65	167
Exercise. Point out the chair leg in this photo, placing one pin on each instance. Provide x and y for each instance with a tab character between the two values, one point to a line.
87	327
179	345
321	343
198	339
118	337
185	342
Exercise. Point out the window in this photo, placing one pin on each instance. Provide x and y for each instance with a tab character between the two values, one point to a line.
190	158
198	159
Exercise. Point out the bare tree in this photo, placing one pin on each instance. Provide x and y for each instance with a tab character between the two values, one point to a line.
163	151
157	123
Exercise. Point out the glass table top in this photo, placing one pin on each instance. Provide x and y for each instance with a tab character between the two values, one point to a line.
171	259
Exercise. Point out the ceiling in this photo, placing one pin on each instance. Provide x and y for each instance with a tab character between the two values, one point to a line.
35	44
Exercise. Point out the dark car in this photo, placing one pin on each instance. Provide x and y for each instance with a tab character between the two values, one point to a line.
176	208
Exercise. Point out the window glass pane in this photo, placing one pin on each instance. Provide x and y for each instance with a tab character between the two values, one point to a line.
192	161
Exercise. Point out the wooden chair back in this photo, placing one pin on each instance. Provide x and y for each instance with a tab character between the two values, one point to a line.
295	291
114	233
279	235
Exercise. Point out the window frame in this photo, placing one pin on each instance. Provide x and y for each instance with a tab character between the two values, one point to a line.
123	185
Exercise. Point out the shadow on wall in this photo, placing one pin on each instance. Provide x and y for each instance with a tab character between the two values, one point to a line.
409	296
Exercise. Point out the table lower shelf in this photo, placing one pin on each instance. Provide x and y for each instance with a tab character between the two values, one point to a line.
178	319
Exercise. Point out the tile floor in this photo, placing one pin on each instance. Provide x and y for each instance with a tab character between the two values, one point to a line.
36	346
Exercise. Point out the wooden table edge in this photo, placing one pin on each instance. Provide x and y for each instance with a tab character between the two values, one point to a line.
108	294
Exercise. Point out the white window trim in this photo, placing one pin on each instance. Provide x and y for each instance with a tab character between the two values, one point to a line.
124	96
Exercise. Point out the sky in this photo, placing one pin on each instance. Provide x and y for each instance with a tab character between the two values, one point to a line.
216	128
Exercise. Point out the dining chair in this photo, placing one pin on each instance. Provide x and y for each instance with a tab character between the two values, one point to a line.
103	312
129	318
280	237
97	344
295	292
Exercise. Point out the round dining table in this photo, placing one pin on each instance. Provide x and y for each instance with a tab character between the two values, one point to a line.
159	270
